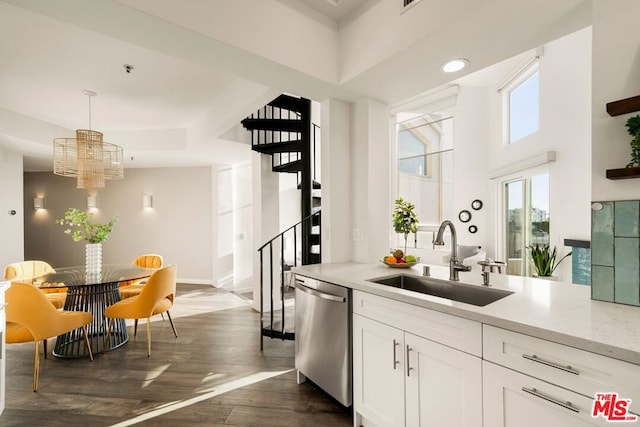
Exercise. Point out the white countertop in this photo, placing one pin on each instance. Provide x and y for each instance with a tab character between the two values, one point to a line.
555	311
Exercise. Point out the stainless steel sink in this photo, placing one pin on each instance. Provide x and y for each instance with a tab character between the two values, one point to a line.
456	291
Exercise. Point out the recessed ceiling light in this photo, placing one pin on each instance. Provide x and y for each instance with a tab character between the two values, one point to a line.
455	65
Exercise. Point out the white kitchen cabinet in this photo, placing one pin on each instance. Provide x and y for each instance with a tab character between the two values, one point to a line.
402	379
378	379
512	399
443	385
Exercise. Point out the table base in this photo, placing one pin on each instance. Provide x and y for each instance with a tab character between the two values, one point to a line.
94	299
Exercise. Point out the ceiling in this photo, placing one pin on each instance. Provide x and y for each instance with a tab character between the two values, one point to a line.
181	103
337	10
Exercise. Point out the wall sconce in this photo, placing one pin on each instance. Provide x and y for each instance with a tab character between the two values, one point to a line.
147	201
38	203
91	202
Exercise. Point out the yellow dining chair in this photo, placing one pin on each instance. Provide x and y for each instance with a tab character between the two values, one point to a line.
132	288
156	297
27	271
31	317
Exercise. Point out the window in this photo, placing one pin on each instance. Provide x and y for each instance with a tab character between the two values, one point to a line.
425	166
412	150
522	101
527	219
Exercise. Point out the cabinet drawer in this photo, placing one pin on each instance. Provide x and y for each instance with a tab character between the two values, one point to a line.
579	370
512	399
452	331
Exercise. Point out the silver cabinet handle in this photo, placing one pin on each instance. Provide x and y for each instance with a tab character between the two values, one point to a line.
319	294
395	359
536	393
535	358
409	368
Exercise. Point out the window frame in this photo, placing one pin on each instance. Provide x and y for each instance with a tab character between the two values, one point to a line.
429	158
501	198
515	82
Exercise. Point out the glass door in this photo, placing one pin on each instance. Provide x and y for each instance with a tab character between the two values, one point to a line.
527	220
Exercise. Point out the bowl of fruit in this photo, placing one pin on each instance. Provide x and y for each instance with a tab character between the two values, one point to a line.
398	259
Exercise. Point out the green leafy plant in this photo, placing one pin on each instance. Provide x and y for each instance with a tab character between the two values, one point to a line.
81	228
633	127
543	259
405	220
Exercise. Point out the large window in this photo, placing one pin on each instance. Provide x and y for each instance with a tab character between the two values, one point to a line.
425	166
527	219
522	101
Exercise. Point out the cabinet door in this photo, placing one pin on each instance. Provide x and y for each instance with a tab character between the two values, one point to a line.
378	381
512	399
443	385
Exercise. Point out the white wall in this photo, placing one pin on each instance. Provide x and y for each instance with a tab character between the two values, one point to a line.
12	247
336	193
289	199
179	227
370	180
243	250
471	160
224	225
266	207
235	230
616	68
565	123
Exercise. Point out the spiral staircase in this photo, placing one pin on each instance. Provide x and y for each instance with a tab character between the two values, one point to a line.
283	130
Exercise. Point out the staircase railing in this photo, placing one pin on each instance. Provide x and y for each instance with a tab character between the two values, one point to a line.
271	331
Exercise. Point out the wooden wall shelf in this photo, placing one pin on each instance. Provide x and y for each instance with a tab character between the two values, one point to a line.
623	173
624	106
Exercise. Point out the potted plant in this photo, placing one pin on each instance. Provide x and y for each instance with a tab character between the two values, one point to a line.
80	227
84	229
405	220
633	127
543	259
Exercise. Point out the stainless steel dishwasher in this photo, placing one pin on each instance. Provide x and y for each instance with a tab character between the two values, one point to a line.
323	336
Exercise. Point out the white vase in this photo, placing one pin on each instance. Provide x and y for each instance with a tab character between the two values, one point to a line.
93	258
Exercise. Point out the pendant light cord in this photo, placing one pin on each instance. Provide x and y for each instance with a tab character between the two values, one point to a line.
89	96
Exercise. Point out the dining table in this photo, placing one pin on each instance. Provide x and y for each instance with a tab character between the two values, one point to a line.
92	292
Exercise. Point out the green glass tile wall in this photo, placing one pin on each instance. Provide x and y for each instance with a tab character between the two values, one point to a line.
602	235
626	218
626	281
602	283
615	252
581	266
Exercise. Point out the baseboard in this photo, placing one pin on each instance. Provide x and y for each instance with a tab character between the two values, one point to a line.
194	281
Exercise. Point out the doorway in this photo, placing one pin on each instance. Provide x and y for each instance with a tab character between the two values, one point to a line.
526	219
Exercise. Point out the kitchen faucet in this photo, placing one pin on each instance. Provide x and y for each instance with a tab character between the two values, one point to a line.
454	265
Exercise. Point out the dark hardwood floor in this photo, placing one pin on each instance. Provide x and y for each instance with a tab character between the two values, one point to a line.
213	374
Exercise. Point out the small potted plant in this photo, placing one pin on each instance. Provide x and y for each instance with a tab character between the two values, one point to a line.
405	220
543	259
